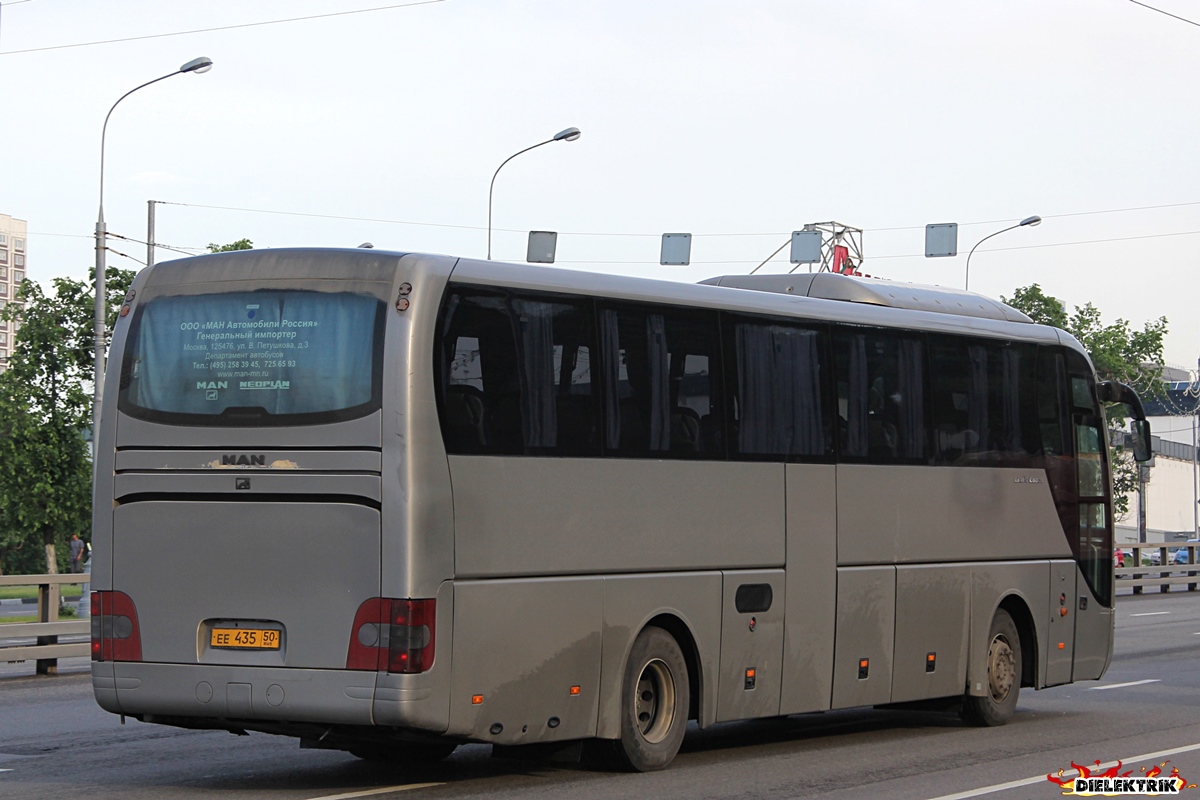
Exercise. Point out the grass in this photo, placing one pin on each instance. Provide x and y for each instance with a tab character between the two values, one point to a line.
13	620
15	592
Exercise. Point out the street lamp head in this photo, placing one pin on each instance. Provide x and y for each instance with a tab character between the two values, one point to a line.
1030	221
197	65
569	135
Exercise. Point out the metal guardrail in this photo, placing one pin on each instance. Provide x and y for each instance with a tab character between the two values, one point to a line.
1155	566
48	628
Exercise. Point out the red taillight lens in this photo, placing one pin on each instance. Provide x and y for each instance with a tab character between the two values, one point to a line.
115	632
410	643
366	637
393	635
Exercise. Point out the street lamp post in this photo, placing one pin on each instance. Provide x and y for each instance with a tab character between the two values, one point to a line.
196	65
569	135
1030	222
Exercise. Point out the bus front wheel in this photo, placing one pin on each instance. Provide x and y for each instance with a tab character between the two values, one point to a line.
998	703
655	699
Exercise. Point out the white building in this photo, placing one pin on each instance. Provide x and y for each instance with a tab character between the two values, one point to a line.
1171	492
12	272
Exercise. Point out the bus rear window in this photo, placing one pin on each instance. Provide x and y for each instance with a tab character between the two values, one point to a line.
269	357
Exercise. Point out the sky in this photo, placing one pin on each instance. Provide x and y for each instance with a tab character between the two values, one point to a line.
736	121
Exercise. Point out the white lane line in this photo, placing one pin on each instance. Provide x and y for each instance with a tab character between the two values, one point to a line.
1000	787
1150	614
1123	685
368	792
5	770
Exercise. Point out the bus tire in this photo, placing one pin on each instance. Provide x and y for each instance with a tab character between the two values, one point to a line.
655	699
999	702
409	754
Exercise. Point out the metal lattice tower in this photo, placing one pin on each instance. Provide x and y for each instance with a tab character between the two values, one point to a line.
841	247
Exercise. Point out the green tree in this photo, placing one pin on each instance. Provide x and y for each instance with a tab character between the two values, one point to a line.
1041	307
240	244
1118	351
45	410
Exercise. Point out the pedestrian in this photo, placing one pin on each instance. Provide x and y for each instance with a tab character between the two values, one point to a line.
76	553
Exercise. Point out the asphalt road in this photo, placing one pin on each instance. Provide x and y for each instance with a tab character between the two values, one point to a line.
55	742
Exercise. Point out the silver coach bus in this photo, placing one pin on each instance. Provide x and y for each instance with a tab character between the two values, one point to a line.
390	503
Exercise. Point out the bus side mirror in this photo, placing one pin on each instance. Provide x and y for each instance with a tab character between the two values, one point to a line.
1141	440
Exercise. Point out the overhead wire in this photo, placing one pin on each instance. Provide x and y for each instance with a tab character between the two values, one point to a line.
184	249
634	234
1168	13
219	28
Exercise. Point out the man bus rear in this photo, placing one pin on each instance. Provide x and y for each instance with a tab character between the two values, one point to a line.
242	519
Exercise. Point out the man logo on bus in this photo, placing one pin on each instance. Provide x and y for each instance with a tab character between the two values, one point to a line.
243	460
212	385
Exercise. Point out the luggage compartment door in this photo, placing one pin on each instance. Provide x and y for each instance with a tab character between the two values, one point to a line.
751	674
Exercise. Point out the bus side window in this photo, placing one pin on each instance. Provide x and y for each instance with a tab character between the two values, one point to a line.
517	374
471	350
881	390
777	401
983	402
662	389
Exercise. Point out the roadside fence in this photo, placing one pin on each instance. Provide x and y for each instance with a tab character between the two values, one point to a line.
48	627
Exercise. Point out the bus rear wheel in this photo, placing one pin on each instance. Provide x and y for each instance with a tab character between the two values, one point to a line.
655	699
999	702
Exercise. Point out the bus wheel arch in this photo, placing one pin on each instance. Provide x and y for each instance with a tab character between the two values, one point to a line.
1018	609
687	643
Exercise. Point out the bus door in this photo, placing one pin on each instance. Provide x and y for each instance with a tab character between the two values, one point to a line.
1080	597
1060	634
1093	601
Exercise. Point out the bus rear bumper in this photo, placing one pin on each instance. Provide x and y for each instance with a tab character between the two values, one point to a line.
335	697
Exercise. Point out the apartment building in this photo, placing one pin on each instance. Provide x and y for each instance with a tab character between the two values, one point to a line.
12	272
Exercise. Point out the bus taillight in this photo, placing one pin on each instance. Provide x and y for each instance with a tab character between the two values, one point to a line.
393	635
410	646
115	632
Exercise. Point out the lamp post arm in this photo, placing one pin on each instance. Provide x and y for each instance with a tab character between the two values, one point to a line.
492	185
104	129
100	323
967	278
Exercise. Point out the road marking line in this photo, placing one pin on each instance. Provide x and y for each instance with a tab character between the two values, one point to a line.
5	770
367	793
1123	685
1000	787
1150	614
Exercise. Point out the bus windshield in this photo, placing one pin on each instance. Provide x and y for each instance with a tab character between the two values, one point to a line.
261	357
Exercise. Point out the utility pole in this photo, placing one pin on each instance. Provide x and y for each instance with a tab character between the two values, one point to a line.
1143	477
150	233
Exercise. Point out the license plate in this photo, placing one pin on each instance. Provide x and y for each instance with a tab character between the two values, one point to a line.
248	638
